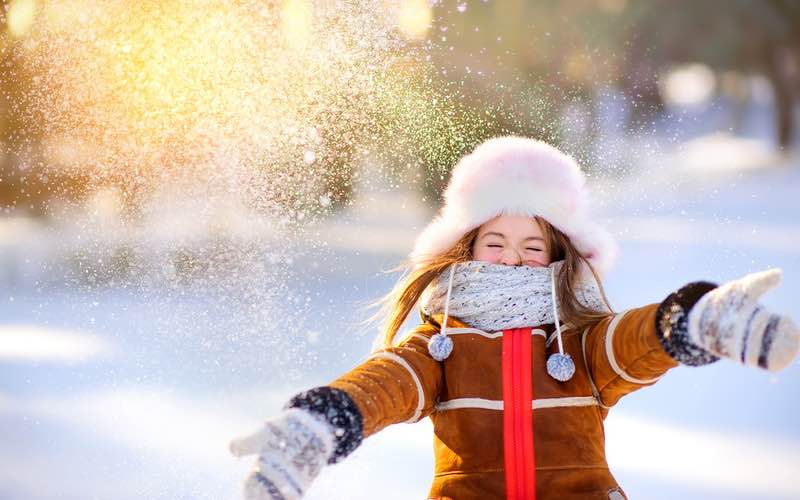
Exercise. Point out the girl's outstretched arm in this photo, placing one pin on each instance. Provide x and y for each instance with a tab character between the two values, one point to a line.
325	424
393	385
693	326
627	351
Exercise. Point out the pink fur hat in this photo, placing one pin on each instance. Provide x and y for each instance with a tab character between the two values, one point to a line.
516	176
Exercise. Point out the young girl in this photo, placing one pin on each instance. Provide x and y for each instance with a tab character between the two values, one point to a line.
518	357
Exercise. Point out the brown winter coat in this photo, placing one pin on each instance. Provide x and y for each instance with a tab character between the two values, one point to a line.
464	397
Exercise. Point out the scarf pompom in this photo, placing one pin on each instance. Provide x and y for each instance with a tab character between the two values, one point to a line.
560	366
440	346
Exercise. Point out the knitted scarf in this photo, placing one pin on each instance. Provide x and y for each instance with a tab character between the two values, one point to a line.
494	297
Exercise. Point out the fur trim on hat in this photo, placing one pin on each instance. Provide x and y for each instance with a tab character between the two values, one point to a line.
516	176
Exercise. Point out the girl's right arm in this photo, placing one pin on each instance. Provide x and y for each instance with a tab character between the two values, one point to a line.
325	424
393	385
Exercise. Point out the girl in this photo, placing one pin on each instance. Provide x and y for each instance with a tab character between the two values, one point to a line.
518	357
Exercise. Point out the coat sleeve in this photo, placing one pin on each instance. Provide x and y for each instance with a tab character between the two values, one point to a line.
398	384
636	347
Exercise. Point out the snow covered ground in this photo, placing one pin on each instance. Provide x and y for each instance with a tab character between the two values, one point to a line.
113	393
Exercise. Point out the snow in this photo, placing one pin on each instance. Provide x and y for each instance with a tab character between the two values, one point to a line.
123	394
29	343
762	467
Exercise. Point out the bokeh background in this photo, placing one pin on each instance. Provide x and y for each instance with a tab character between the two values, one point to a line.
199	199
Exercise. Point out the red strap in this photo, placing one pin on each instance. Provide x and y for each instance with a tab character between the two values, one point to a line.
508	415
518	415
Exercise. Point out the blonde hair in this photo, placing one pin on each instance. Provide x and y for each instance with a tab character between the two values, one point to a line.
399	302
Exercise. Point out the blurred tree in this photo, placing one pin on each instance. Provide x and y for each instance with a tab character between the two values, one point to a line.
25	182
16	144
520	67
744	36
533	68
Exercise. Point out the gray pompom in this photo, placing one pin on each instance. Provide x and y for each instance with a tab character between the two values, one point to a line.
440	346
560	367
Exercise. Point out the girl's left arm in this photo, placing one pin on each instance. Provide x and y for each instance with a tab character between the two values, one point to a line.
693	326
626	352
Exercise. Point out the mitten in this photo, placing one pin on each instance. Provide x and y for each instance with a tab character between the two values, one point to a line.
729	322
291	448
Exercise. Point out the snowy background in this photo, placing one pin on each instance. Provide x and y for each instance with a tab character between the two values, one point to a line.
93	406
131	353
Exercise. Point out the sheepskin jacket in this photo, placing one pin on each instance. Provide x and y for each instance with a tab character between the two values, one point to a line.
503	427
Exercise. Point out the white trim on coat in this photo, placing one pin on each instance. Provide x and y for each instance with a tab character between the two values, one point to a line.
554	335
612	360
566	401
589	372
494	335
536	404
458	403
416	335
420	394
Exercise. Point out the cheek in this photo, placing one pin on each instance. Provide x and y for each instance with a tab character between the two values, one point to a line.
535	263
486	255
537	260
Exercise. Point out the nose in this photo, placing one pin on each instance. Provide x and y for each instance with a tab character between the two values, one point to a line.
510	257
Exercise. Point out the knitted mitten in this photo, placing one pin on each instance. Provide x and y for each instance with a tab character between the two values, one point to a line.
291	448
728	322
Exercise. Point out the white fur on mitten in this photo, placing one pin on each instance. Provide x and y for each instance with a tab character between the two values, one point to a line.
729	322
292	448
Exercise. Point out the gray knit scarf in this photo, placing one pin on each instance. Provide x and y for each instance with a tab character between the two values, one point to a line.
494	297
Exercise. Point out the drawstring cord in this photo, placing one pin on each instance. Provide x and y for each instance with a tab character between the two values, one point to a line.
447	299
440	345
555	308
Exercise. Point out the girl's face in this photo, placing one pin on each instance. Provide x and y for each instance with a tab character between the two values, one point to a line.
511	240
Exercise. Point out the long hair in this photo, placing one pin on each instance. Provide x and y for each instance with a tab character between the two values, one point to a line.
395	306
